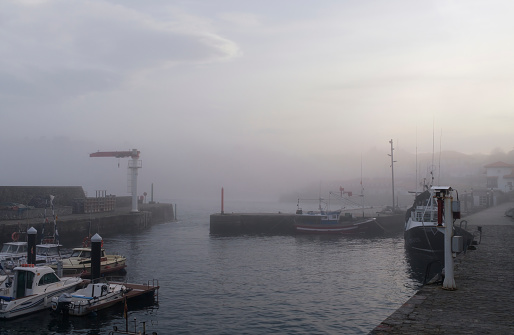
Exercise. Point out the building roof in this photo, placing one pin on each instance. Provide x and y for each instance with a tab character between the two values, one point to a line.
499	165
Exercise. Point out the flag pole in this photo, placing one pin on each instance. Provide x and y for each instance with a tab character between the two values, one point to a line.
125	314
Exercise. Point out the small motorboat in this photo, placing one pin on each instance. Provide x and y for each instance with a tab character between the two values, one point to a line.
31	289
79	263
91	298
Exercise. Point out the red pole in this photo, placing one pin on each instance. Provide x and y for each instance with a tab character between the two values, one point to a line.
222	201
440	205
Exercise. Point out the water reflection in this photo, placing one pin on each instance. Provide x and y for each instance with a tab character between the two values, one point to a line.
423	267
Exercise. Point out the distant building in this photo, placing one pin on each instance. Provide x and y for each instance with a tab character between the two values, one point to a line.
500	176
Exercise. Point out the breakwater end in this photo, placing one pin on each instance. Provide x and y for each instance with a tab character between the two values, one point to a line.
482	303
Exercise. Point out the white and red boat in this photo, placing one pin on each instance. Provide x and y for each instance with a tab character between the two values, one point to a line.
334	223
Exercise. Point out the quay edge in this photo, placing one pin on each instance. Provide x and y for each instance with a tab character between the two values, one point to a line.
482	302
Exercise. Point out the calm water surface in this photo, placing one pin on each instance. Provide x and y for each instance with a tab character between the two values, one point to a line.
248	284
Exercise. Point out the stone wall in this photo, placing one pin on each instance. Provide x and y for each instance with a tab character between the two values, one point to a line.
36	195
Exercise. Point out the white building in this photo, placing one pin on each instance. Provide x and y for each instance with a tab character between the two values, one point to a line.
500	176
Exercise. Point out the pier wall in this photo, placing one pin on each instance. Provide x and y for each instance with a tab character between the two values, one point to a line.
35	195
73	228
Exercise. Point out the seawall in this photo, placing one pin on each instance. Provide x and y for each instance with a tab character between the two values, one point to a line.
73	228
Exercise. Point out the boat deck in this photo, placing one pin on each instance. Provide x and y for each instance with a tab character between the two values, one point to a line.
136	290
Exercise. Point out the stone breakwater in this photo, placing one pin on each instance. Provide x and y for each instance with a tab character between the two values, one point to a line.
74	227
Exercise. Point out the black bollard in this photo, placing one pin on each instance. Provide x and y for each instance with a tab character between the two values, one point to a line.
96	253
31	245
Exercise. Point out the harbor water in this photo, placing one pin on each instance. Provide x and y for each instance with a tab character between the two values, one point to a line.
247	284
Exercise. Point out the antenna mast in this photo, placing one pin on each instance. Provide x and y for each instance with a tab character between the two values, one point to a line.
392	169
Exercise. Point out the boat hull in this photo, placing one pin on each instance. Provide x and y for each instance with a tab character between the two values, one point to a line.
425	239
429	240
83	302
364	227
31	304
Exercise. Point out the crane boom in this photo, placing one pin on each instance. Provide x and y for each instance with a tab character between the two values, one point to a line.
133	166
117	154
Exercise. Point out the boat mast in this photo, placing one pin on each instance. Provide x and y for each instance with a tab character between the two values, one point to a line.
362	191
392	169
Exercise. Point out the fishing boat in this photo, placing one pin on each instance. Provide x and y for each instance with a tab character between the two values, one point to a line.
31	290
79	263
92	298
334	223
424	224
326	221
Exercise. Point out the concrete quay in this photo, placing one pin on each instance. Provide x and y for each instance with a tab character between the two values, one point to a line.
484	300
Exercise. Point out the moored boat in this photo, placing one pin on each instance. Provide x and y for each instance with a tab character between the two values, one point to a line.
325	221
31	290
357	227
92	298
333	222
424	225
49	253
79	263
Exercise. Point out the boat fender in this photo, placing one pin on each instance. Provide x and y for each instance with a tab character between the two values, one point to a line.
15	236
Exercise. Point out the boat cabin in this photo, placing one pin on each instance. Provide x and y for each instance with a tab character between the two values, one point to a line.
11	254
48	253
29	279
14	248
85	254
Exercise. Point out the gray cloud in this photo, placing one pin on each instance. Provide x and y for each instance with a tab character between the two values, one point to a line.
56	48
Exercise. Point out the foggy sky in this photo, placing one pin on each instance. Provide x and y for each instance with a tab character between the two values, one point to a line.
255	96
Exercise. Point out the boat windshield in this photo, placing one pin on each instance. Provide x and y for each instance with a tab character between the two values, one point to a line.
7	248
47	251
14	249
81	253
427	216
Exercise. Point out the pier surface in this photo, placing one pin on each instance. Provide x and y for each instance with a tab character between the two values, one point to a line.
483	301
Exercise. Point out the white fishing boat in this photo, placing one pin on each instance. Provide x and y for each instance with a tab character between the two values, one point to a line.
31	290
91	298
